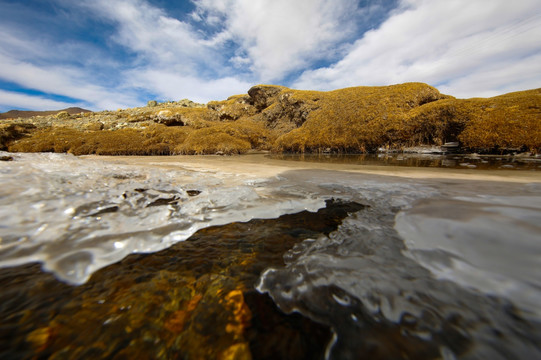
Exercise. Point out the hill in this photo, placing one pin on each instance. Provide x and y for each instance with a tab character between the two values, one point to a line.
268	117
14	114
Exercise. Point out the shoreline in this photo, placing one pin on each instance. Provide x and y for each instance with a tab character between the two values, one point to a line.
260	165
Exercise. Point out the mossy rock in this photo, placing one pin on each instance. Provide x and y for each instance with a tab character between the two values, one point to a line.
62	115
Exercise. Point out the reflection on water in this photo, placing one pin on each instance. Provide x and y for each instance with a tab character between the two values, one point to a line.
452	161
392	268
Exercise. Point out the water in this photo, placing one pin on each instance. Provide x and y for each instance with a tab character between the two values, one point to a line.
420	268
448	161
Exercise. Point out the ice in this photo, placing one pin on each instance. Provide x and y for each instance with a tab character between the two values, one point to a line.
423	255
489	243
78	215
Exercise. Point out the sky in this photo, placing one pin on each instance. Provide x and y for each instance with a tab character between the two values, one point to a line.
111	54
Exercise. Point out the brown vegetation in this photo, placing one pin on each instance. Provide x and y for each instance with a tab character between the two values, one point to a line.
154	140
13	114
358	119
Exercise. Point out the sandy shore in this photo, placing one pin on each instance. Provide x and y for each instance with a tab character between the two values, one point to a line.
259	165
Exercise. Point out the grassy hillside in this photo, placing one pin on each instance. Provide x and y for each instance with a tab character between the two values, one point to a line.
14	114
357	119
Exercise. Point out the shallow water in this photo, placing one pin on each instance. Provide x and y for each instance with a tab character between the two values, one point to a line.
448	161
417	268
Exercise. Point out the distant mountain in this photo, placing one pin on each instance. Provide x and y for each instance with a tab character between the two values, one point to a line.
27	114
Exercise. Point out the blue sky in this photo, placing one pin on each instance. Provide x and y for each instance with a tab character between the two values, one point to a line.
109	54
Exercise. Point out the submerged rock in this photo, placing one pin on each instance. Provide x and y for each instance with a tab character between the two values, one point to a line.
193	300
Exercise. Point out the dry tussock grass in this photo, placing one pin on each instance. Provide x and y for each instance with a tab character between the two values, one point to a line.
154	140
356	119
359	119
363	119
229	138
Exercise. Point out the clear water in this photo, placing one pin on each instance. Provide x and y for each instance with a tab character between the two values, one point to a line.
448	161
452	266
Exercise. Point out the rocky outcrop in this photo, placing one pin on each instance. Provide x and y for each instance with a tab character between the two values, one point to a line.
264	95
233	108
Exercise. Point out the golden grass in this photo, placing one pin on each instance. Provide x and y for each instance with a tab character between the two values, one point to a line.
154	140
13	132
358	119
507	121
229	138
363	119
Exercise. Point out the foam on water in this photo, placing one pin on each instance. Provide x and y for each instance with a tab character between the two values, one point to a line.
78	215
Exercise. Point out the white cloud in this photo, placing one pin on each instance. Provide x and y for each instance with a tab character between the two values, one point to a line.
64	81
173	86
158	39
281	36
17	101
464	47
468	48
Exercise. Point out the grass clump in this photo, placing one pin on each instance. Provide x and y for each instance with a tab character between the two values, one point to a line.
154	140
510	121
228	138
12	132
356	119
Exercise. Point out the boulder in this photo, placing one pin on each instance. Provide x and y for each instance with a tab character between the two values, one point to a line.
264	95
63	115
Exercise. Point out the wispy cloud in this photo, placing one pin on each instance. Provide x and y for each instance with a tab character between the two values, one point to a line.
281	36
174	86
62	80
14	100
110	54
466	48
151	34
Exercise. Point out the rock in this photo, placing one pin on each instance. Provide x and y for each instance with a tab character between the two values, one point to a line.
233	108
264	95
168	118
63	115
6	158
193	300
356	119
94	126
188	103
